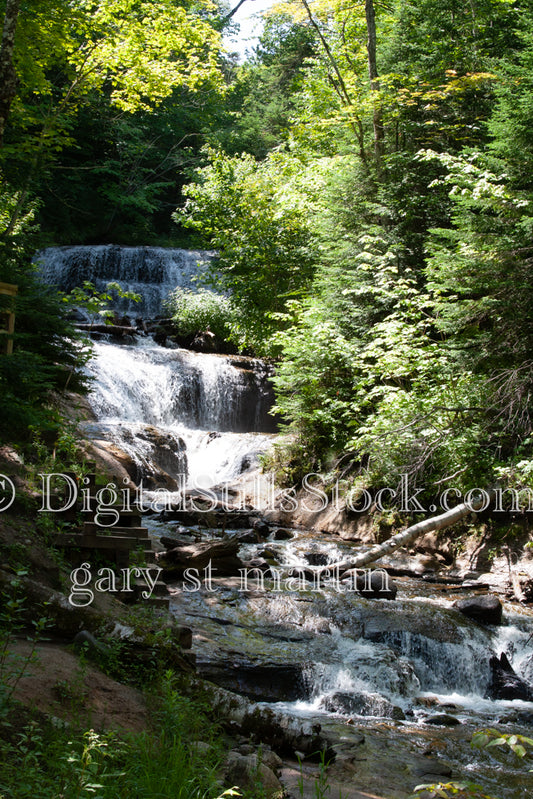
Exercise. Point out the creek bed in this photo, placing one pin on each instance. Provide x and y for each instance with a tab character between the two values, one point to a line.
373	674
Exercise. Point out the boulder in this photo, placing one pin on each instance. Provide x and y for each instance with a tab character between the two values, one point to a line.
169	542
316	558
282	534
371	583
362	704
247	771
222	555
261	527
442	720
483	609
429	768
505	683
263	682
248	537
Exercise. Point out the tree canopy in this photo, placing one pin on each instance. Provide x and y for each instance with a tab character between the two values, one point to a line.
363	178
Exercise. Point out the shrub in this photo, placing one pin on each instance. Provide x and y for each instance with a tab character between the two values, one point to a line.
198	311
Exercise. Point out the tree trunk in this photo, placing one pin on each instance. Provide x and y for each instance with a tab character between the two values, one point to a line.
374	79
8	76
411	533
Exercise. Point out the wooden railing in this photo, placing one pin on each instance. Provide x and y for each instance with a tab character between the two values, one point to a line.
7	317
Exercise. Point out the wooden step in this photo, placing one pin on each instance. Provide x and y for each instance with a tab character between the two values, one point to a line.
141	533
89	541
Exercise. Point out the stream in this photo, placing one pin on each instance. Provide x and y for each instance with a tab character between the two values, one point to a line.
373	674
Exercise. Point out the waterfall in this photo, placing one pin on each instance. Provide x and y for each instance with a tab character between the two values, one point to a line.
171	414
151	272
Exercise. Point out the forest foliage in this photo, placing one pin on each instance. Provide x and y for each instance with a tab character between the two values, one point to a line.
365	179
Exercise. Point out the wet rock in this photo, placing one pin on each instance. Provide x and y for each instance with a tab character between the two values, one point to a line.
248	537
372	584
522	587
382	622
282	534
197	510
483	609
316	558
287	734
442	720
517	717
167	451
505	683
159	457
269	554
221	555
261	527
170	542
362	704
264	682
429	767
256	563
247	770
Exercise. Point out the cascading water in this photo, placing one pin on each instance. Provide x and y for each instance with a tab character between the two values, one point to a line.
357	656
176	415
203	406
151	272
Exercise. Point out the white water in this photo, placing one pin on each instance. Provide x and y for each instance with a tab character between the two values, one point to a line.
178	415
445	660
200	403
150	271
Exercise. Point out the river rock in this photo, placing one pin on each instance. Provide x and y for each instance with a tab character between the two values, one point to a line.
372	584
282	534
316	558
288	734
170	542
263	682
256	563
430	768
506	684
261	527
442	720
362	704
168	451
483	609
247	771
222	555
248	537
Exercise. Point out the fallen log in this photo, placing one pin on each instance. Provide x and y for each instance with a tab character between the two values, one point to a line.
412	533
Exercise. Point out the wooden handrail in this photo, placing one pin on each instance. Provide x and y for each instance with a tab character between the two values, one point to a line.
7	318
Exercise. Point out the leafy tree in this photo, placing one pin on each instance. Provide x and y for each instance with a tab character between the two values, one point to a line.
255	215
261	97
136	53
